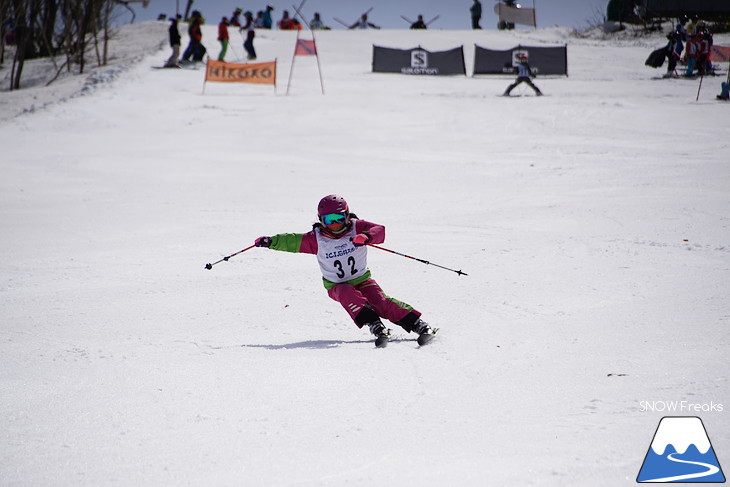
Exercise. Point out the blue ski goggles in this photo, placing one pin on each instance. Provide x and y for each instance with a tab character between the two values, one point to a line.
333	218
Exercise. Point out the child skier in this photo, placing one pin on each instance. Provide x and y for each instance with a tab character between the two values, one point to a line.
223	38
339	241
524	72
250	35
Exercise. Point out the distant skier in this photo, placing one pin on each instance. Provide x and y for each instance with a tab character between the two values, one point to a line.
236	17
195	46
259	23
524	74
419	24
223	38
476	14
174	43
286	22
339	241
268	21
250	35
674	49
363	23
317	24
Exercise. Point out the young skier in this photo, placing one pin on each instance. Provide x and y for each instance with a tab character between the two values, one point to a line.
174	43
524	72
339	241
195	48
223	38
250	35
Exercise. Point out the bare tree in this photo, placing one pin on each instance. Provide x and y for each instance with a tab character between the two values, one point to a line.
52	27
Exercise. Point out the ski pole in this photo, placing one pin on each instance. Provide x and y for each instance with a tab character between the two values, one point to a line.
210	266
459	272
698	89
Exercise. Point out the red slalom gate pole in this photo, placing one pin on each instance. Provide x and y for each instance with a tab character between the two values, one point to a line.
210	266
459	272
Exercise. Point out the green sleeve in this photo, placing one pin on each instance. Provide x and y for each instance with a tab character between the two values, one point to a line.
287	242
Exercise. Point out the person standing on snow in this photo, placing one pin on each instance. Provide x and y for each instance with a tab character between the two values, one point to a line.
524	73
268	21
317	24
259	22
223	38
174	44
195	46
674	52
339	241
250	34
363	23
476	14
286	22
419	24
236	17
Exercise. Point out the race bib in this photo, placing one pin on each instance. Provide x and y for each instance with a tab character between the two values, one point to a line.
339	259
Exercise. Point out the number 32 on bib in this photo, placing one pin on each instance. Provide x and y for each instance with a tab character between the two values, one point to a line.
339	260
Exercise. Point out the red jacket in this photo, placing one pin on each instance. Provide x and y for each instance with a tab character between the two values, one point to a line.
222	31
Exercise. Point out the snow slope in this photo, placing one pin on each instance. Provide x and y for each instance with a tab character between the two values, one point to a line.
593	224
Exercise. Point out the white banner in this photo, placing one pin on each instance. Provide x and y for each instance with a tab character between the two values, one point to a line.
522	16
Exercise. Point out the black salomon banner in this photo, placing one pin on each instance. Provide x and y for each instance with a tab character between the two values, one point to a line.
543	60
418	61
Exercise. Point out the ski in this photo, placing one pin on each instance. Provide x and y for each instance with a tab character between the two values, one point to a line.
423	339
193	66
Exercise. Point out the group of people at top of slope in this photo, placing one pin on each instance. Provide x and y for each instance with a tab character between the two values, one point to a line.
263	20
691	43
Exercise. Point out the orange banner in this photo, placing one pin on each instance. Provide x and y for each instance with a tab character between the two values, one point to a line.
258	73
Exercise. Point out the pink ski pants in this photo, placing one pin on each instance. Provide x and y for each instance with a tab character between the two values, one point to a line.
354	297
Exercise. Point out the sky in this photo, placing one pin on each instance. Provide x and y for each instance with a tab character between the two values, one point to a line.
454	14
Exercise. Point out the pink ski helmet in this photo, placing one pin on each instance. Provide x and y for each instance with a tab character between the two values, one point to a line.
332	204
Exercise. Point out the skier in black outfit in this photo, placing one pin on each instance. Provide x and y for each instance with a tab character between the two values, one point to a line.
250	35
419	24
174	43
476	14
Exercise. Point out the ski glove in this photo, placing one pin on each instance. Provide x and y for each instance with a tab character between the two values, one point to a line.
360	239
263	242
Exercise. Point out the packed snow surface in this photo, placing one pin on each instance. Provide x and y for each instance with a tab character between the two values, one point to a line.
593	224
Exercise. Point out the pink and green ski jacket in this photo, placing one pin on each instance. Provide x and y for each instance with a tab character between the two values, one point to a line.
340	261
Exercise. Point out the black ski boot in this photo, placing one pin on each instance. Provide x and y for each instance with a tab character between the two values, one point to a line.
382	334
425	332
